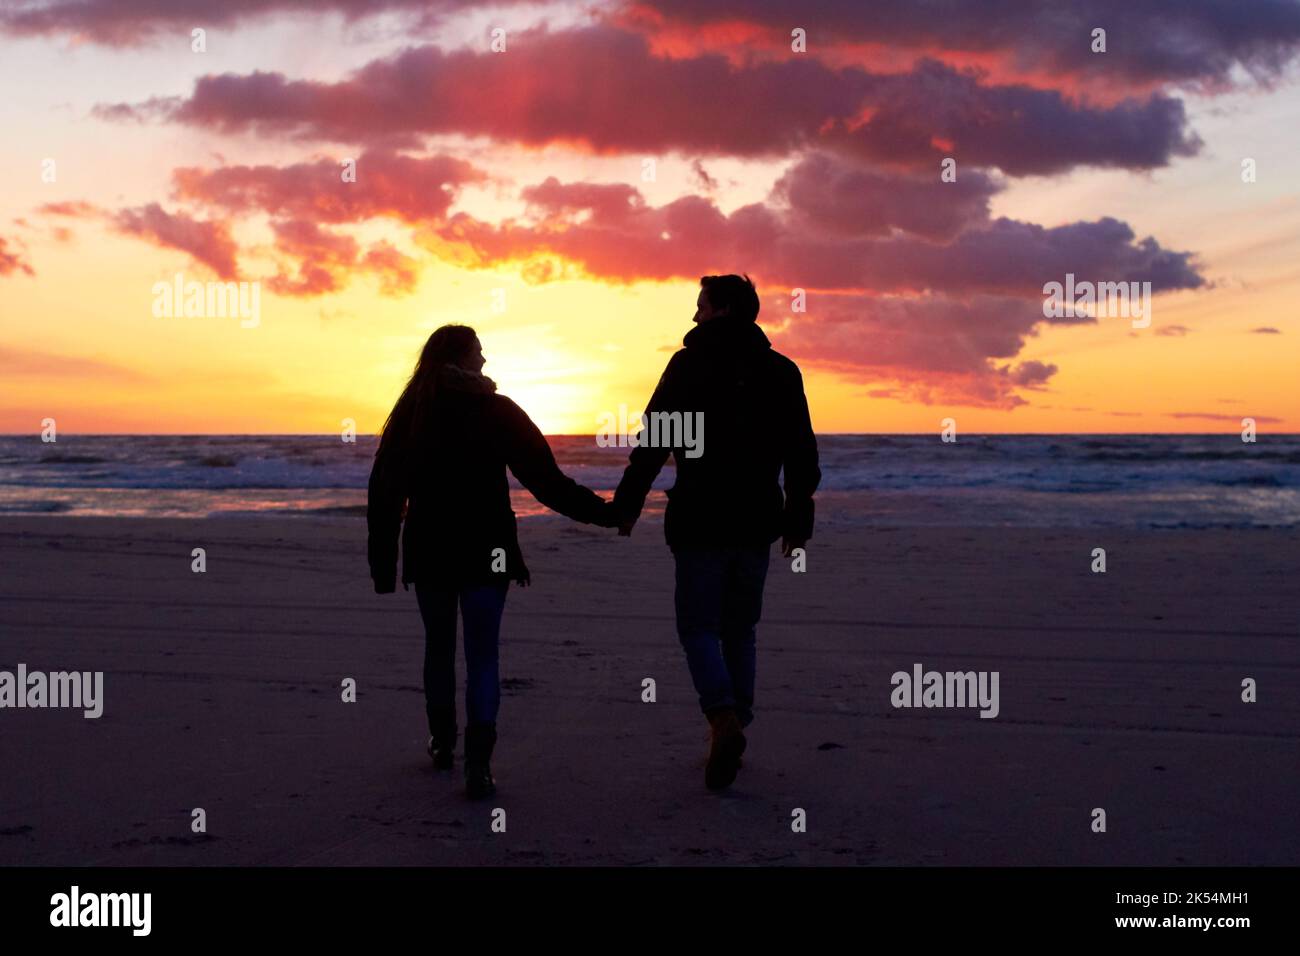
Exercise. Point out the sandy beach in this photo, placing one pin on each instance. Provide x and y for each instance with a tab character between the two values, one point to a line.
222	691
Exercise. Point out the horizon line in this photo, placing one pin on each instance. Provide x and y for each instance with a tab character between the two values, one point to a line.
1225	432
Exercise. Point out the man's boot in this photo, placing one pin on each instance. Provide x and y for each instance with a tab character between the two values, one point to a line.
442	738
728	743
479	741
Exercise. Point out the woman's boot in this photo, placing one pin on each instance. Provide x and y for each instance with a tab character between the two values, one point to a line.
479	741
442	738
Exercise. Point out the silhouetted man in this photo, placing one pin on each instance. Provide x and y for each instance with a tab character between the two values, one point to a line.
726	507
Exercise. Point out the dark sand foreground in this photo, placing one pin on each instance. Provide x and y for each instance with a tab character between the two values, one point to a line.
1120	691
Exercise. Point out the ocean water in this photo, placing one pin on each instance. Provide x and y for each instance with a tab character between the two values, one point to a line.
1136	481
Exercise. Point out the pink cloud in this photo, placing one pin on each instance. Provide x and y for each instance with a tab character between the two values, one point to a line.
318	261
12	262
941	320
622	239
207	242
407	188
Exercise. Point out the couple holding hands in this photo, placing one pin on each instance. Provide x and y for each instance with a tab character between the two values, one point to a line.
439	484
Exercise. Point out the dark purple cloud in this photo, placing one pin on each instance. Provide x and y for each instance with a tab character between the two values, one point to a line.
932	348
849	199
935	112
541	92
1148	42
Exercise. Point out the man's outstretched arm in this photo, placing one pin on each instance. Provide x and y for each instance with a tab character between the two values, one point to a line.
802	473
645	462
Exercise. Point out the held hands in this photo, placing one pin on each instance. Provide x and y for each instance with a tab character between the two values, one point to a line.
611	518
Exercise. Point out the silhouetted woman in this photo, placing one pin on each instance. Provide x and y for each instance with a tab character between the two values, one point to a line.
441	464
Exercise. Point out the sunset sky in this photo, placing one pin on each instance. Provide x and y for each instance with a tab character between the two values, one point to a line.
520	177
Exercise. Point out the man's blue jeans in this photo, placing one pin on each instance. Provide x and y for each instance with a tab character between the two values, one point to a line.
719	600
481	609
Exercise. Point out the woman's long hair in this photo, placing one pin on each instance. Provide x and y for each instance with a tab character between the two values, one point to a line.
446	346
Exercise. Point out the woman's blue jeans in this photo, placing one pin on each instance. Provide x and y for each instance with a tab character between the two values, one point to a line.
480	609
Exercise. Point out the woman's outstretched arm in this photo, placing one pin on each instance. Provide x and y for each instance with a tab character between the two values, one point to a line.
530	459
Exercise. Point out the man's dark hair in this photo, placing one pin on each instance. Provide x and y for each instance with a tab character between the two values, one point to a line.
733	293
